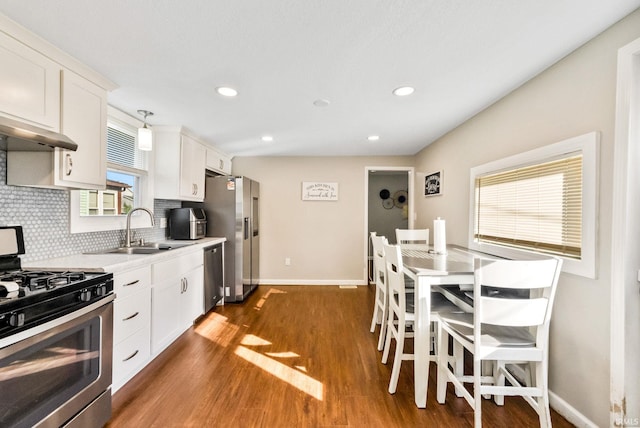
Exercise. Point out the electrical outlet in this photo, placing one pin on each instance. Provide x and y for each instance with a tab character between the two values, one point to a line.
287	261
163	223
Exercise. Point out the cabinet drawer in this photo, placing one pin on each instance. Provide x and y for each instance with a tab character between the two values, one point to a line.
177	267
130	314
130	356
132	281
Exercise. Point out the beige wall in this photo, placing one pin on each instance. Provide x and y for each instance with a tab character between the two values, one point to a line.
324	240
574	97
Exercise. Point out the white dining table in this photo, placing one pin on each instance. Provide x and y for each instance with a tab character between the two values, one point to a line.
430	271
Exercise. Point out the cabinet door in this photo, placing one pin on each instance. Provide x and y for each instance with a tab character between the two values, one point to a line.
29	85
218	162
192	169
84	120
165	313
192	298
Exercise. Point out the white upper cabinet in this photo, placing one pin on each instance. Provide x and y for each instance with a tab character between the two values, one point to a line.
179	165
84	120
192	169
218	162
43	86
29	85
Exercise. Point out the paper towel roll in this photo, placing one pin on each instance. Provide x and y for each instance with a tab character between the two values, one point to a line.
439	236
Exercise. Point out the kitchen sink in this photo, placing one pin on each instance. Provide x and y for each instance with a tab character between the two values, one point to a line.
151	248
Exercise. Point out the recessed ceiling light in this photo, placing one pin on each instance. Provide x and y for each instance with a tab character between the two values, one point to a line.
267	138
321	102
403	91
373	137
226	91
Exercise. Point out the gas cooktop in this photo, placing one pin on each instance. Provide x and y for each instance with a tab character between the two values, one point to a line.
29	298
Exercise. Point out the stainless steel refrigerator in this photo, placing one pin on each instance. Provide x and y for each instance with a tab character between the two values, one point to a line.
232	208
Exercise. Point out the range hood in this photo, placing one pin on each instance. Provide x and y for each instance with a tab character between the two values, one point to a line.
20	136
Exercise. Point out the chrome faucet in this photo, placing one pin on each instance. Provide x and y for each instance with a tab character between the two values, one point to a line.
127	242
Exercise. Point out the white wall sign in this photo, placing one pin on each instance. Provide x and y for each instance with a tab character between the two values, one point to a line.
314	191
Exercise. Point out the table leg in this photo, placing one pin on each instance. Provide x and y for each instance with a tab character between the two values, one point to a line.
422	339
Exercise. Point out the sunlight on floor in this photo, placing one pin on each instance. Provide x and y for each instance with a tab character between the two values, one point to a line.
251	340
217	329
264	298
299	380
288	354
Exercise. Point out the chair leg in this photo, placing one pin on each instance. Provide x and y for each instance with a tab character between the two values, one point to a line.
499	378
383	327
458	363
488	368
477	393
397	360
387	342
376	309
442	365
543	402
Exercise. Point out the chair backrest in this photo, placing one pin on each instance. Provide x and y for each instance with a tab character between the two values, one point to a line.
378	243
395	278
517	293
409	237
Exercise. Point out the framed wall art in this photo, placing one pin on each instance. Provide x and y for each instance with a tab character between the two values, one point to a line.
433	184
314	191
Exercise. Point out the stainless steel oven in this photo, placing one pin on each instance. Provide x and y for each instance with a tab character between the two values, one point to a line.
56	343
59	373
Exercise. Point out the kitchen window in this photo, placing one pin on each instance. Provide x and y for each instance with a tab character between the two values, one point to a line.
128	181
542	201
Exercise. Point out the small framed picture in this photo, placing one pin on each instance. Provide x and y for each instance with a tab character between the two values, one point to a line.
433	184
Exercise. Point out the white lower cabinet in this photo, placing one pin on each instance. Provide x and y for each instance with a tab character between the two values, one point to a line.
177	298
154	305
131	324
165	314
129	357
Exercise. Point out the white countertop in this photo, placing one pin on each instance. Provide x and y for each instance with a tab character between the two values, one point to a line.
117	262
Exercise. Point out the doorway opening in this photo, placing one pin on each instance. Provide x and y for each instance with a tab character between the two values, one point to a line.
388	205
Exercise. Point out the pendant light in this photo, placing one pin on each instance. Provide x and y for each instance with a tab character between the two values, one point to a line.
145	135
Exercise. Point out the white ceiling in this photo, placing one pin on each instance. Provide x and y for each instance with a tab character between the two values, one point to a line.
282	55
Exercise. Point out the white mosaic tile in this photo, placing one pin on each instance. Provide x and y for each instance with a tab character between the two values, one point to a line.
44	216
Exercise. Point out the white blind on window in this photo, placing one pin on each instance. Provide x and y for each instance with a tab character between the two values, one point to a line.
535	207
122	150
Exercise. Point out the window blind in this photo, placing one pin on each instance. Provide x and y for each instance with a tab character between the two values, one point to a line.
536	207
122	149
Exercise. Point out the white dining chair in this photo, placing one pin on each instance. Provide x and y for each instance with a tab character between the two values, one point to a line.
401	312
381	304
408	238
513	301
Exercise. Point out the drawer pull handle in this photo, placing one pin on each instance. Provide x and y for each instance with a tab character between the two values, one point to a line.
130	356
132	283
131	316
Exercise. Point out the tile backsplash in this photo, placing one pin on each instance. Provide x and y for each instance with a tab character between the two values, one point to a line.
44	216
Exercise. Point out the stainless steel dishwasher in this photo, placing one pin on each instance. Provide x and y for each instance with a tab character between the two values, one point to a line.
213	276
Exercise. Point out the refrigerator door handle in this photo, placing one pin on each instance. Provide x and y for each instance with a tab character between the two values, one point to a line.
246	228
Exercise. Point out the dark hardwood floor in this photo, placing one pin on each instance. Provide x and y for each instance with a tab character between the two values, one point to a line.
291	356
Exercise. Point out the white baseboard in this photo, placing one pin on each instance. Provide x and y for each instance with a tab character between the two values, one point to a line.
312	282
569	412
